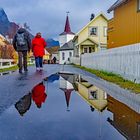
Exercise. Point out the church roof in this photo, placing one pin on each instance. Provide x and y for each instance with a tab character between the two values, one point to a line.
67	46
67	29
116	4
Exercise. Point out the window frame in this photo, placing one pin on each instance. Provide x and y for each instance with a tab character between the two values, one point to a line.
89	30
70	54
85	48
63	56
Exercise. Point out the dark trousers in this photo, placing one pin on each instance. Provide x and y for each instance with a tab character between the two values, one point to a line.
39	62
22	60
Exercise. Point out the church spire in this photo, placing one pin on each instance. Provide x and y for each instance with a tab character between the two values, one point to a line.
67	29
67	25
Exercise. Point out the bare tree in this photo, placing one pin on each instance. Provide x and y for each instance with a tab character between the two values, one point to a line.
26	26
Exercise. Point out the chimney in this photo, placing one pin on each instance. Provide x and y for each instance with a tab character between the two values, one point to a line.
92	16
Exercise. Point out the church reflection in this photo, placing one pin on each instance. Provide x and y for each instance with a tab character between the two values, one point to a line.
65	84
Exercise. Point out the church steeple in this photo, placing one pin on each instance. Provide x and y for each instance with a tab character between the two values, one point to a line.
67	25
67	29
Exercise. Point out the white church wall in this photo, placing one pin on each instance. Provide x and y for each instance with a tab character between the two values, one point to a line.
62	40
64	55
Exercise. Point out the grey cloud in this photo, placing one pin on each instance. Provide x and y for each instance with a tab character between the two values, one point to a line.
48	16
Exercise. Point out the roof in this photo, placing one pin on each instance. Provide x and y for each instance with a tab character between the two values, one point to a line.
94	42
101	14
52	50
67	46
67	29
116	4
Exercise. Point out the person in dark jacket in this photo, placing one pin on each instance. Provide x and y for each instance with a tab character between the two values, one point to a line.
22	44
24	104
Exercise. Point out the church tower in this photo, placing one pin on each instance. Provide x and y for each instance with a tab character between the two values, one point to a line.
67	35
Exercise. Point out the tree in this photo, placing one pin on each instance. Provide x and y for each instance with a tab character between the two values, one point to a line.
25	25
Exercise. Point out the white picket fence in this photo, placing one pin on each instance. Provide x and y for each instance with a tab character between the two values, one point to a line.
123	60
6	63
75	60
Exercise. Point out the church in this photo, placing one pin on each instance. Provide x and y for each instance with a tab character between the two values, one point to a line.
66	45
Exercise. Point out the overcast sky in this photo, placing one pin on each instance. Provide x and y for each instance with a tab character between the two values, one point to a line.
48	16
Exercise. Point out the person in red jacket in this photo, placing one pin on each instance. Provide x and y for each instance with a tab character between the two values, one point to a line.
38	46
38	94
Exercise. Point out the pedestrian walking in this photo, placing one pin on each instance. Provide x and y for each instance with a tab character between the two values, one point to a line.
38	48
54	60
22	44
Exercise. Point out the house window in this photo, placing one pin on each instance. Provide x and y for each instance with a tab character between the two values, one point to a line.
70	54
85	50
93	31
93	95
105	31
138	5
63	56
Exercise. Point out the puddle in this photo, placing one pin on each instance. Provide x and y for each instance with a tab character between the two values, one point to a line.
64	106
6	73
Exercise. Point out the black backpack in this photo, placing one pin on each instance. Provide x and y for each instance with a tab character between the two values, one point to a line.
21	40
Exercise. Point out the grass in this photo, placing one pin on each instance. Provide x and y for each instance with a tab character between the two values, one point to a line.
114	78
13	68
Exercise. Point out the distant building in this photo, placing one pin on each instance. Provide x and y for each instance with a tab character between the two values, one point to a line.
124	27
66	44
92	37
53	51
66	51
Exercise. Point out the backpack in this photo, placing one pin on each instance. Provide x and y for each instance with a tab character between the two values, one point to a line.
21	41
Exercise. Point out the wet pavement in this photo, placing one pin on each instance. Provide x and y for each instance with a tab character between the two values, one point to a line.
64	103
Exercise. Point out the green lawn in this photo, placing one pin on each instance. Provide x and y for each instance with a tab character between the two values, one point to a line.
114	78
9	69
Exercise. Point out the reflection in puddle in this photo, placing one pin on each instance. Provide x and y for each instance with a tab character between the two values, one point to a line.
106	109
125	120
6	73
94	96
38	95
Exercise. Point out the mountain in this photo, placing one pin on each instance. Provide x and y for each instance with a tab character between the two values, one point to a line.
7	27
52	43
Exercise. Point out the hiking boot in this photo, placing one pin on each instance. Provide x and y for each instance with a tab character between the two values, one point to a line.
26	70
20	71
